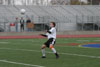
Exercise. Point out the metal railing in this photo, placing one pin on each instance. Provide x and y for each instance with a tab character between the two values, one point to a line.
78	23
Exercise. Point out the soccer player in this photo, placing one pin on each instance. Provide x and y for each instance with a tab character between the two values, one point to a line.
51	35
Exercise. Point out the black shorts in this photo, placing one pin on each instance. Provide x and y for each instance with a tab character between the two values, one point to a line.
50	41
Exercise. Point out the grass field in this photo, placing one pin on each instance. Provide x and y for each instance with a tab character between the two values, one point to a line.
26	53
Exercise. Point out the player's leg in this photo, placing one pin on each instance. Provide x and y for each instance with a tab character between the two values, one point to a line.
43	51
54	50
46	44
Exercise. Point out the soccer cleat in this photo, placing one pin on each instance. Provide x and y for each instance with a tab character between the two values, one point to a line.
43	57
57	56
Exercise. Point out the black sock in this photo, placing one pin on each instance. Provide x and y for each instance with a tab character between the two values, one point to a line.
56	54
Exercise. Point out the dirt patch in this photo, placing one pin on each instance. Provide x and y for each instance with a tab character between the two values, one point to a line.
68	44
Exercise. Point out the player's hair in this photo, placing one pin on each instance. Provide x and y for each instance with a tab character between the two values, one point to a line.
53	23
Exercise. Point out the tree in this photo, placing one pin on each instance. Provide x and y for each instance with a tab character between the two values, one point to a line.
94	2
1	1
59	2
77	2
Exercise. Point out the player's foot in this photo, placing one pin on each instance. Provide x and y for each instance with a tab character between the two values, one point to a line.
43	57
57	56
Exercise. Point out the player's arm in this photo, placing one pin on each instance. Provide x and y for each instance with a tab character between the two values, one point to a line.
48	31
43	35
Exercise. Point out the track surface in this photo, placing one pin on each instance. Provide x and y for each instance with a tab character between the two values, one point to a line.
37	36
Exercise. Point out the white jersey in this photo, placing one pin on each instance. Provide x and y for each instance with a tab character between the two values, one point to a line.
52	34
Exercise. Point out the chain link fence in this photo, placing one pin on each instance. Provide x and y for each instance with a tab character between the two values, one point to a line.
63	23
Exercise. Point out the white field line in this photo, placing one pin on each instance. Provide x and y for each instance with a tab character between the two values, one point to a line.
11	62
83	40
97	40
71	54
4	42
67	46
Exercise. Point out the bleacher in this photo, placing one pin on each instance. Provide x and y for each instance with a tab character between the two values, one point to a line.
58	13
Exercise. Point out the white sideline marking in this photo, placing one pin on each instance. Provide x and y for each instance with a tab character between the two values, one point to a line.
89	56
4	42
11	62
96	40
82	40
67	46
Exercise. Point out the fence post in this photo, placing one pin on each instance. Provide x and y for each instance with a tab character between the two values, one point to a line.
4	26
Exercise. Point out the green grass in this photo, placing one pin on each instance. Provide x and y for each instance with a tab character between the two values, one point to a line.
14	54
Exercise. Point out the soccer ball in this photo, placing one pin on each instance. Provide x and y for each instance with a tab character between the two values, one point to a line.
22	11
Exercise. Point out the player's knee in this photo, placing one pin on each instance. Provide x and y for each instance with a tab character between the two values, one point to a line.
51	47
43	46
